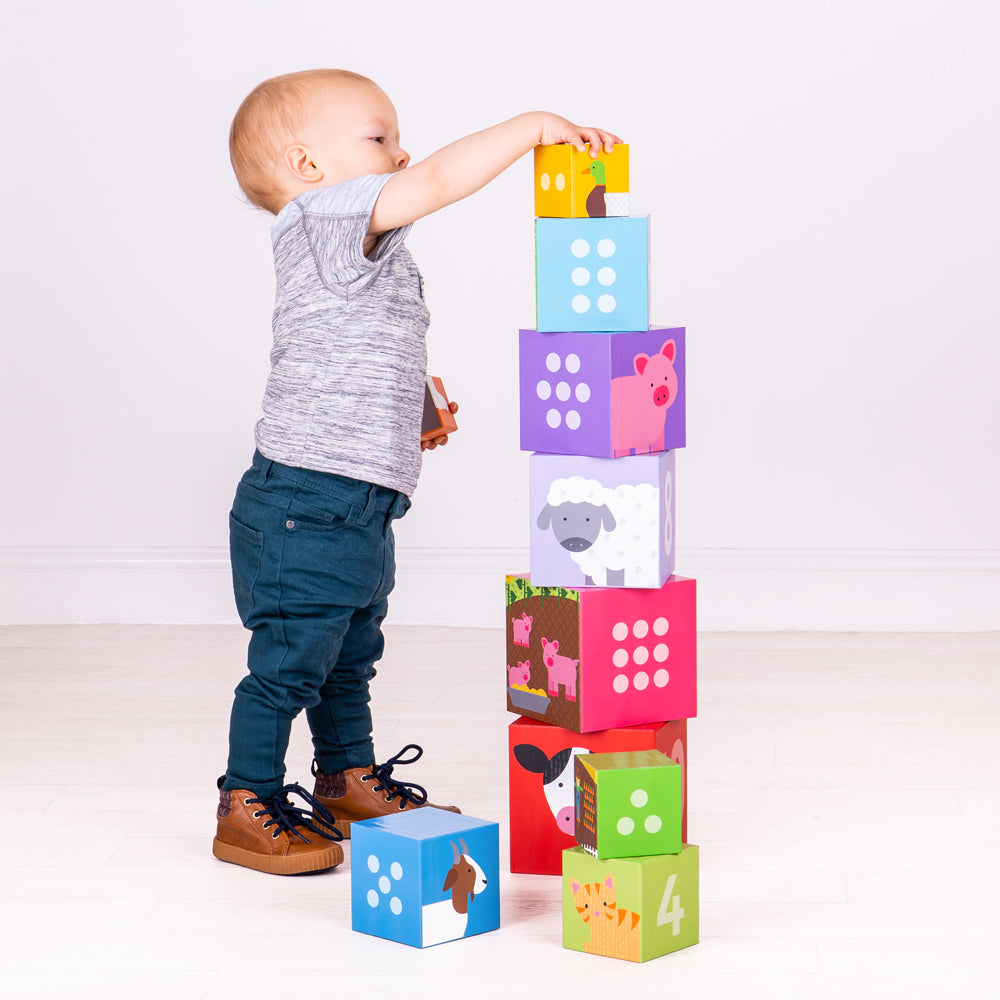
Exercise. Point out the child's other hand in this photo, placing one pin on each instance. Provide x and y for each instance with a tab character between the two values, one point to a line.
556	130
443	439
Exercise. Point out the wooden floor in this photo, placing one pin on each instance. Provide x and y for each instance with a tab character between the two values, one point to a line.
844	791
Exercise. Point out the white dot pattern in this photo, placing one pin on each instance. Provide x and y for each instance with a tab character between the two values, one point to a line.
632	648
375	896
626	825
606	275
576	392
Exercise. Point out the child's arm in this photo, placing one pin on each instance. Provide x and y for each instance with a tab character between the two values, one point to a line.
464	166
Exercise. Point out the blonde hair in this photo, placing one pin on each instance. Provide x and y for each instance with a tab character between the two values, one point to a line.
267	121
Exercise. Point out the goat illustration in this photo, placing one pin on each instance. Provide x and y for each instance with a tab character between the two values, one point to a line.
448	919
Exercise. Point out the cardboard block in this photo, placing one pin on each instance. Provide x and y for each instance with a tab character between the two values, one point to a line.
425	877
541	765
601	522
571	185
607	395
628	804
437	418
602	658
630	908
592	274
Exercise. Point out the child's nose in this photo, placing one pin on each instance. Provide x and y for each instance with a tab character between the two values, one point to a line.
402	158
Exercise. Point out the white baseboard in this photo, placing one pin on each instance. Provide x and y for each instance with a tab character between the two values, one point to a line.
738	589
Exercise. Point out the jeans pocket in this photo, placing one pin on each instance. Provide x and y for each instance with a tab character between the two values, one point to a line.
246	546
333	516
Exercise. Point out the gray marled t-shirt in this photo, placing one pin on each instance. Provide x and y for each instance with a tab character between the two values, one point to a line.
346	388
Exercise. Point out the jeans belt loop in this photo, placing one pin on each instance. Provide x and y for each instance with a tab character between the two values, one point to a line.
399	506
264	466
369	505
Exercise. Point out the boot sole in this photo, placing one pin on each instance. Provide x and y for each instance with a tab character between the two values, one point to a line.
321	861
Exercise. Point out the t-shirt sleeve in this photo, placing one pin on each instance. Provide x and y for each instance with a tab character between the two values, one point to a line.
336	220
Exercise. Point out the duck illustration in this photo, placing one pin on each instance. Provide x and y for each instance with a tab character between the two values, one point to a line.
596	205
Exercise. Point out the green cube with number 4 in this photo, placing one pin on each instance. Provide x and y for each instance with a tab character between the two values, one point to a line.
630	908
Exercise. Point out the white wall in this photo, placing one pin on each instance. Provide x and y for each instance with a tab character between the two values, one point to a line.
822	183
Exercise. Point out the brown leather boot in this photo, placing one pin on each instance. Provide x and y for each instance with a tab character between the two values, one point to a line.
265	834
367	792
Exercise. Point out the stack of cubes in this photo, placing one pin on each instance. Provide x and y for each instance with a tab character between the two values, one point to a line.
601	638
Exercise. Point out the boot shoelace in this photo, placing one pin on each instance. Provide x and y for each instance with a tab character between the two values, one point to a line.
290	818
407	791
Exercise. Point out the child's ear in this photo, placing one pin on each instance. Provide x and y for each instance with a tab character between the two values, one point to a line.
299	160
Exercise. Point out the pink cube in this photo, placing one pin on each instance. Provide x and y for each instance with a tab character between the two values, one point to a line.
603	657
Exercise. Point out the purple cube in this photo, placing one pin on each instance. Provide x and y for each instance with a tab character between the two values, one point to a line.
603	394
601	522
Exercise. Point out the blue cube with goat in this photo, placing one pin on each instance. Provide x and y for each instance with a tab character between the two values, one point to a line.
425	876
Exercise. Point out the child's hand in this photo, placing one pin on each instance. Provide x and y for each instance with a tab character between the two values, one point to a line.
443	439
556	130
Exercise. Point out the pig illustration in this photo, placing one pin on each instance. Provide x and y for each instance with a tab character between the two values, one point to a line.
562	670
522	629
518	674
639	402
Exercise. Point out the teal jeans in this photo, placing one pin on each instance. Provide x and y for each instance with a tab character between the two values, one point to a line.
313	563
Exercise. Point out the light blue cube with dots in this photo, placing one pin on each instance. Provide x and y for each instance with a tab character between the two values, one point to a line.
425	876
592	275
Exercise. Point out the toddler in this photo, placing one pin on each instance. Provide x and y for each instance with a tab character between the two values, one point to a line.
338	448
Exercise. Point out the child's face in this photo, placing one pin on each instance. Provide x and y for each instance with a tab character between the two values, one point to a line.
351	131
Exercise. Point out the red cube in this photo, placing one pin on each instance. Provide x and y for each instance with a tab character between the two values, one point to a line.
542	807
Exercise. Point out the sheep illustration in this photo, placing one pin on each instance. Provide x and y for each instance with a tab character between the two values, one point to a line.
612	534
448	919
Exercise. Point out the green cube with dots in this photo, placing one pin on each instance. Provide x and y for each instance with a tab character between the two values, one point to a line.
628	804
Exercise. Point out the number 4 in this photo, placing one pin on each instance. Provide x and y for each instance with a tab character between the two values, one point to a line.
676	912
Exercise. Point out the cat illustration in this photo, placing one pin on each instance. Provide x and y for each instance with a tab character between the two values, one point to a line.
613	932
